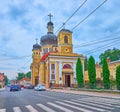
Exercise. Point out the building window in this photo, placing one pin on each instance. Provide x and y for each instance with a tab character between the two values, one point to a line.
101	75
66	39
67	50
45	50
50	49
53	76
52	71
36	52
52	66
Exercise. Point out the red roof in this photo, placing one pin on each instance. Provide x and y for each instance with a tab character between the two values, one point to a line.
26	79
1	76
44	56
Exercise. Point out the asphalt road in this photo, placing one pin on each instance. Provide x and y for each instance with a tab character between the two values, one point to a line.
28	100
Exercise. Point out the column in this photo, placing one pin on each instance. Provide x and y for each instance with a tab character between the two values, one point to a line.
60	72
74	69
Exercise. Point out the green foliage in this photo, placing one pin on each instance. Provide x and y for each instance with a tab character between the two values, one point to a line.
22	75
28	74
92	72
0	86
79	73
113	55
5	79
118	77
106	74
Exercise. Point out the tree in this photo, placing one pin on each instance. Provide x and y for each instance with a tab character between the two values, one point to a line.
28	74
118	77
106	74
20	76
6	80
112	54
92	72
79	73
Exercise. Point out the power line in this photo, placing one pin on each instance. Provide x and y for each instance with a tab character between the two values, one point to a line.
24	64
103	47
95	42
88	15
16	58
82	44
72	15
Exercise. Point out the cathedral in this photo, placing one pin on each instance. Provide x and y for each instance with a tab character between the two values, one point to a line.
53	60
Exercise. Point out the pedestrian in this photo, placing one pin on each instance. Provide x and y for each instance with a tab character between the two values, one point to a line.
50	85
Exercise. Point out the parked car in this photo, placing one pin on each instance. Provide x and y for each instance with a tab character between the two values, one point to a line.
15	87
8	85
29	86
40	87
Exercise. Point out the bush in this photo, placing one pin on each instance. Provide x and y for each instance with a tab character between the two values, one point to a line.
0	86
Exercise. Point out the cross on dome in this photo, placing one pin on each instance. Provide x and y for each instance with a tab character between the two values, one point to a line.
36	40
50	16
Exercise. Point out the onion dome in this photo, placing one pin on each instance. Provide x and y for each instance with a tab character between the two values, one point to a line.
36	46
50	38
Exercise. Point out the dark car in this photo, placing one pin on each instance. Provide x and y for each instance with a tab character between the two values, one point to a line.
15	87
29	86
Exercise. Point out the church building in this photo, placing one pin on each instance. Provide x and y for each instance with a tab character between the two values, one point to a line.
53	60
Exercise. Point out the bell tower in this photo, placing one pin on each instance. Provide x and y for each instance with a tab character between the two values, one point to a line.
65	41
35	64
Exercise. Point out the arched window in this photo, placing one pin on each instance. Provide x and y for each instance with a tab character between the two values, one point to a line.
66	39
67	66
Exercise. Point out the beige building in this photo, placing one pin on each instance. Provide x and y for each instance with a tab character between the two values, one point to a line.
53	59
112	68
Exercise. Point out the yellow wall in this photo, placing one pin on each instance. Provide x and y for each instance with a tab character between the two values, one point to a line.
42	73
112	68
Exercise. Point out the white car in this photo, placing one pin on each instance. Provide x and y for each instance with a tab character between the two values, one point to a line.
40	87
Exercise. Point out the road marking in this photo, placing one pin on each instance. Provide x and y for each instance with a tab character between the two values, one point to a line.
78	108
106	107
60	107
47	109
49	97
85	100
31	109
109	101
83	105
2	110
17	109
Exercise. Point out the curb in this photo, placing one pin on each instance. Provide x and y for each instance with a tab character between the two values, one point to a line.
87	94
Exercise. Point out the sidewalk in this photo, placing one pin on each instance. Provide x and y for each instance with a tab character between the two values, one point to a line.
1	89
80	92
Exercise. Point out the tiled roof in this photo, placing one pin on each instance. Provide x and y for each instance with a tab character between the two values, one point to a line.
44	56
26	79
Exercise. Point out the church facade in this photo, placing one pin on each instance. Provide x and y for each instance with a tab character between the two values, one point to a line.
53	60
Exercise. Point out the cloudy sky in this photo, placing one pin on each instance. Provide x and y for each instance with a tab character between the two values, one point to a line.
22	21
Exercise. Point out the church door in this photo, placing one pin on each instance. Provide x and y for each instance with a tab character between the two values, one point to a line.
67	80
